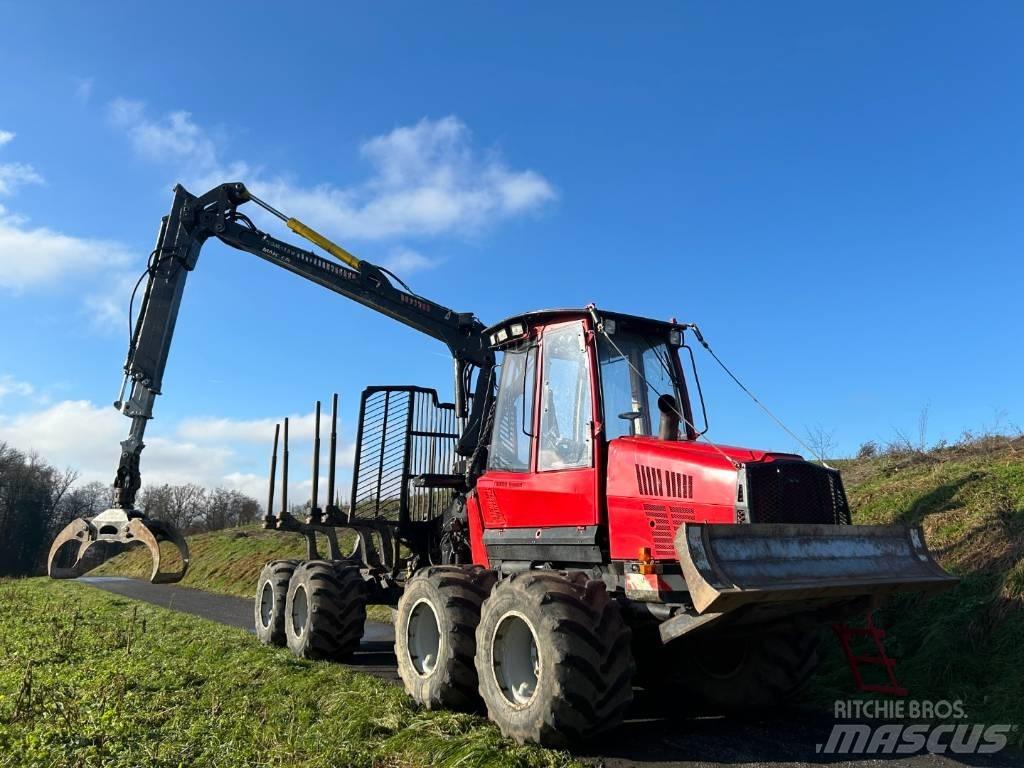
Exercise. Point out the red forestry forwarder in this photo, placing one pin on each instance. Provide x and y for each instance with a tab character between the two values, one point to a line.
559	533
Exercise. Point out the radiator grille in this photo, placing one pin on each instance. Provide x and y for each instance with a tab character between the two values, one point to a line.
796	492
665	521
403	432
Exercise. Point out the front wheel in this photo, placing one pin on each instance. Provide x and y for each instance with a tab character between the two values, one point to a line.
553	658
435	635
754	672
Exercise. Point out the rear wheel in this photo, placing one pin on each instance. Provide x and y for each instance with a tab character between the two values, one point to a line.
736	674
553	658
435	635
271	595
325	610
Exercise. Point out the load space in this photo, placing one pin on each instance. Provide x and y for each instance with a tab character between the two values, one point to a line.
562	531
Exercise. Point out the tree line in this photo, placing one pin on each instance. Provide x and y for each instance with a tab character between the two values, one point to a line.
37	500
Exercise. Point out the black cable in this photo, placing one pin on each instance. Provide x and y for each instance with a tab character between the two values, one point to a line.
400	281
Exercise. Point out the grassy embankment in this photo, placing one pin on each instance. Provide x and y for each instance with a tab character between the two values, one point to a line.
965	644
90	679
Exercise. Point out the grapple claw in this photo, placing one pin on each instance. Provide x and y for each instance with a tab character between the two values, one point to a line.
115	526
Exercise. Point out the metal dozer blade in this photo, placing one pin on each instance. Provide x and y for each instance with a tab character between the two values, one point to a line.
115	526
727	567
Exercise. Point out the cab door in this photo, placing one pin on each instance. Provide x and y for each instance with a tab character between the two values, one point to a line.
545	402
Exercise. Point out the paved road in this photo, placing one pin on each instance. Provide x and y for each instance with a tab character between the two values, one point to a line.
647	739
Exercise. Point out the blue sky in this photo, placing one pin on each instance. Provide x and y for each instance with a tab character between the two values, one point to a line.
833	191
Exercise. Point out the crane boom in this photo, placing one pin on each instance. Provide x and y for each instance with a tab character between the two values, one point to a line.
191	222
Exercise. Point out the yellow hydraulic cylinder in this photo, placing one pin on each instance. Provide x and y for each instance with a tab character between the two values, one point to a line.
313	236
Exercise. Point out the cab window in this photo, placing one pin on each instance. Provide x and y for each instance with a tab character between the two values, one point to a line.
635	370
566	414
513	412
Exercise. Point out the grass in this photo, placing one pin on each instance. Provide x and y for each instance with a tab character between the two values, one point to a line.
88	679
964	644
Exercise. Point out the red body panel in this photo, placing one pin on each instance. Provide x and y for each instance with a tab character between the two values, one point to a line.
651	487
654	486
538	499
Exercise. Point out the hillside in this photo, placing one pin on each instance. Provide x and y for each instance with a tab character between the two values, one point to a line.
965	644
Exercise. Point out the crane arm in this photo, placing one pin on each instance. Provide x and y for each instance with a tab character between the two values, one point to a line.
191	222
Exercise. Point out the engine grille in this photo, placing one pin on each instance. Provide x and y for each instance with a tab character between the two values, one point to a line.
796	492
665	521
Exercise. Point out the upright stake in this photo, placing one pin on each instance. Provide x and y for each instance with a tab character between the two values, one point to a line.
315	515
284	475
269	520
331	456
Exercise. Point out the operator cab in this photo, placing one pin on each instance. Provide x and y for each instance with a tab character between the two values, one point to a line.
572	382
601	375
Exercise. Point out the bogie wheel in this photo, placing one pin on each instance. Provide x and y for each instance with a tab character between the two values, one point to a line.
756	672
435	635
271	595
325	610
553	658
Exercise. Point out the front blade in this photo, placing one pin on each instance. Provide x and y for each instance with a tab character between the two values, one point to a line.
729	566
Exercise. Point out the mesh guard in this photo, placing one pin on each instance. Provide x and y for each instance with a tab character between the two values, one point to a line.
403	432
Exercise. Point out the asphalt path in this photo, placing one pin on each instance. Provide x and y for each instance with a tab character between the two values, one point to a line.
650	737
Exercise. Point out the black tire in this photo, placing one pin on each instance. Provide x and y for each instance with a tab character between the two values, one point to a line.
435	635
744	674
271	595
325	610
582	664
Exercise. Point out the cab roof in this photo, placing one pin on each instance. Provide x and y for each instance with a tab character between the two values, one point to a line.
548	316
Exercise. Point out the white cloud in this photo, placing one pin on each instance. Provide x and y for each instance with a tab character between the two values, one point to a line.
86	437
405	261
31	256
174	136
83	89
12	386
14	175
426	179
108	306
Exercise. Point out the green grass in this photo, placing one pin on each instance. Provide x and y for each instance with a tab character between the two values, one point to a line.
89	679
967	643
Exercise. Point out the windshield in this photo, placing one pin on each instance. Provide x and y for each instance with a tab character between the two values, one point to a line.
630	404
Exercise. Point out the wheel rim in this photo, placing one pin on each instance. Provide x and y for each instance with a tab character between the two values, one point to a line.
300	610
515	659
423	637
266	604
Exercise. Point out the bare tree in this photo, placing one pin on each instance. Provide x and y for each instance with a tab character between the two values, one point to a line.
822	442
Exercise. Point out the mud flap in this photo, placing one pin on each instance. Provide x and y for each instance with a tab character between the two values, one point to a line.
730	566
114	526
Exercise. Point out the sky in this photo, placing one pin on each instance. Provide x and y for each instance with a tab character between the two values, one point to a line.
832	191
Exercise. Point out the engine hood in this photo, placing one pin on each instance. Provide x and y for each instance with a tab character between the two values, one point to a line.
701	452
